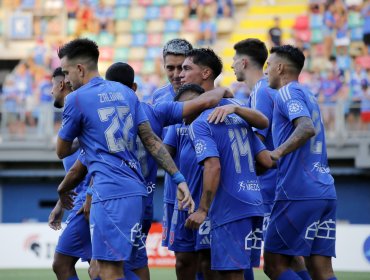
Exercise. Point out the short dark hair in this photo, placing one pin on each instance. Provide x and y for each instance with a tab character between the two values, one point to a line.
293	54
176	47
80	48
58	72
253	48
121	72
206	57
188	87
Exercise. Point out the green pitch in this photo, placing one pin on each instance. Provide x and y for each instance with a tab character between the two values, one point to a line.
155	273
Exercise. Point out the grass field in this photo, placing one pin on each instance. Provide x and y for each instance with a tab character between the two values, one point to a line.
156	274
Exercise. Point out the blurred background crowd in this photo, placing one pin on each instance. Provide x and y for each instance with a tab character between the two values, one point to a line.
334	35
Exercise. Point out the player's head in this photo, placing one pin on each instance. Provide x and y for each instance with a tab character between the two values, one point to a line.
78	59
249	54
284	62
188	92
200	66
123	73
173	57
60	88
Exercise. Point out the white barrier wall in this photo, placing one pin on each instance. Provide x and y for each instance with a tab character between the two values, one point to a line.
33	245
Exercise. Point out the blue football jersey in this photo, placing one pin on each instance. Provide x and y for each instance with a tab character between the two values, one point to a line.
304	173
234	143
166	94
68	162
105	116
178	137
262	99
160	115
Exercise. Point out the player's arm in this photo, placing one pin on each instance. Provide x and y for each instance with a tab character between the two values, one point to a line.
156	148
73	177
211	180
252	117
205	101
66	148
304	130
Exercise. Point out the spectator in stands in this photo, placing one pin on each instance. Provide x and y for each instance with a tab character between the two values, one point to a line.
341	41
328	29
366	27
194	8
85	19
225	8
329	94
208	28
104	14
365	104
72	8
275	33
357	76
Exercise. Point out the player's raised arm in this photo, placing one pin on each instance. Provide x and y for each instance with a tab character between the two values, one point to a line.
74	177
156	148
304	130
253	117
211	180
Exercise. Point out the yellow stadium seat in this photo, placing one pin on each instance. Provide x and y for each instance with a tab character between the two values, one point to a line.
225	25
155	26
137	53
122	26
180	12
123	40
137	12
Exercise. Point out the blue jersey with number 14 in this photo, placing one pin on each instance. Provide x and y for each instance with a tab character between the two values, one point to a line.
234	143
303	173
105	116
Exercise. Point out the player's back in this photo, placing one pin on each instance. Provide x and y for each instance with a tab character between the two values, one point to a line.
236	146
304	173
107	115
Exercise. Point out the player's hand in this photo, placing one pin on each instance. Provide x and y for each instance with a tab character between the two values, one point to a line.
196	219
275	155
85	209
55	218
220	113
184	197
67	199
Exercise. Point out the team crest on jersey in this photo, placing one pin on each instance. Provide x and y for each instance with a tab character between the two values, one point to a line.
295	107
200	147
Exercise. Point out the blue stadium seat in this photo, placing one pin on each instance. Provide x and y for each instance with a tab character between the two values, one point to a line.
28	4
153	52
152	12
172	25
139	39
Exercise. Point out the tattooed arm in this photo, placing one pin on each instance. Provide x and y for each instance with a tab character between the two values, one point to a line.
211	180
156	148
304	130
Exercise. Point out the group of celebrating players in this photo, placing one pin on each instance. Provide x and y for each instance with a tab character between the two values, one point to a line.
237	174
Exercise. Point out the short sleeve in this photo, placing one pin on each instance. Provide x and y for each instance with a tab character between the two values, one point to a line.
203	142
291	103
171	136
256	144
71	121
169	113
139	113
265	105
82	158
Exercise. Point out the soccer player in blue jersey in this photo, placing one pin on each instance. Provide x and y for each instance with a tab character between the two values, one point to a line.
173	57
106	117
248	61
159	115
74	242
231	193
303	220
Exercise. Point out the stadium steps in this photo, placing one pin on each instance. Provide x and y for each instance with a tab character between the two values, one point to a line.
254	22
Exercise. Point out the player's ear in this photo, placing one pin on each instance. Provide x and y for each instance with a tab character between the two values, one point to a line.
206	73
81	70
134	86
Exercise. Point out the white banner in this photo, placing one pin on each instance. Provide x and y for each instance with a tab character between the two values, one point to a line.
33	245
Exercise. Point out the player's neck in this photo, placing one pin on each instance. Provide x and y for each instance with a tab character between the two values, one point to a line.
287	79
208	85
90	75
252	77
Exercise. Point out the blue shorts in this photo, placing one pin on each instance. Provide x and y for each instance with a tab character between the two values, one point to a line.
266	217
115	227
75	239
183	239
302	228
166	222
237	245
141	258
